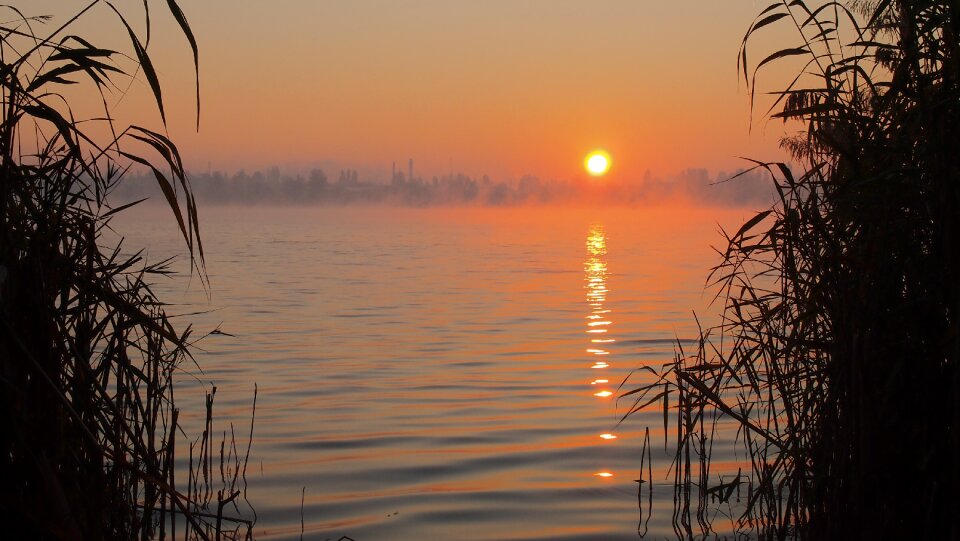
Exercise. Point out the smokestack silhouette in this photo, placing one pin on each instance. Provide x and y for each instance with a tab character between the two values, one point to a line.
410	176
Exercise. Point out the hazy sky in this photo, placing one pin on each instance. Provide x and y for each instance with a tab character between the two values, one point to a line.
498	87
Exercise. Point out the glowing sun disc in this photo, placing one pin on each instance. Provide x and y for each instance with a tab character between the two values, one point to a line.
597	163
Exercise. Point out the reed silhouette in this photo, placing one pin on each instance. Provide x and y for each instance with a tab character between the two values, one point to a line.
88	424
836	362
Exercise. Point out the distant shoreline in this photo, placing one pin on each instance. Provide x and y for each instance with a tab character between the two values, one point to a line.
692	186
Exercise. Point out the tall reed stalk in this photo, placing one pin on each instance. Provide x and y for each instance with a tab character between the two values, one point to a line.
89	433
837	362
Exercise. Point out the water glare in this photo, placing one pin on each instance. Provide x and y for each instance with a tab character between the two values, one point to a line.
599	319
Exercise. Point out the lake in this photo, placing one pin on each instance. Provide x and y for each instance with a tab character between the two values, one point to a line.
440	373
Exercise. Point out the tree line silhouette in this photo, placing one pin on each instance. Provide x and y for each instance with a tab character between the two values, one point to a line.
272	186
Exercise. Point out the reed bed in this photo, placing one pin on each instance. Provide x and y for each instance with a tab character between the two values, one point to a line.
89	431
836	360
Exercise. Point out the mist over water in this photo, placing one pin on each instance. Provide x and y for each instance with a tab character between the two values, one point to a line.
439	373
695	186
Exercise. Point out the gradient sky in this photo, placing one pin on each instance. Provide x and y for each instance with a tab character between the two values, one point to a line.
498	87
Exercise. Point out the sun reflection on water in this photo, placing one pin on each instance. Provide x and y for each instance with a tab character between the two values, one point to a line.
599	320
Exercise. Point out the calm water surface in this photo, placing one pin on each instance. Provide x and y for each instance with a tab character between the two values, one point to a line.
440	374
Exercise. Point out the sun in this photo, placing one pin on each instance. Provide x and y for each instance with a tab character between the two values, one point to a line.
597	163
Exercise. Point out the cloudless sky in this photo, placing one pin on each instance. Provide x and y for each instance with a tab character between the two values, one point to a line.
498	87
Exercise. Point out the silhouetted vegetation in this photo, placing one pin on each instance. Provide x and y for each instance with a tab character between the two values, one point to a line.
89	432
837	362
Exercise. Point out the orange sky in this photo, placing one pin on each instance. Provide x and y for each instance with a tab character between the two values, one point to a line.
498	87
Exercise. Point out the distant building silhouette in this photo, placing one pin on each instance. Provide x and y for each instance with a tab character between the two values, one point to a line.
696	186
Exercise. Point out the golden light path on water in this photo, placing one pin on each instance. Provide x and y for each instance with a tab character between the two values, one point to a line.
599	319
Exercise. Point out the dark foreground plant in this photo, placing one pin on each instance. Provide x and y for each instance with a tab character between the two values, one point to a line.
88	426
836	368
